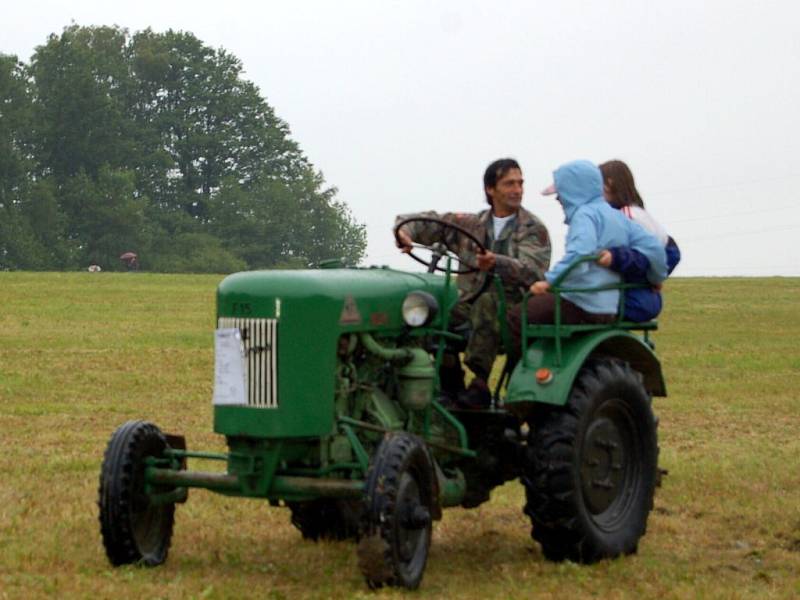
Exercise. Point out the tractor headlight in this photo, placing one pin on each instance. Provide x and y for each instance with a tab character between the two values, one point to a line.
419	308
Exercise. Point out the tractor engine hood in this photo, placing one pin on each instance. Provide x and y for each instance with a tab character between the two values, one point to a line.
345	299
291	323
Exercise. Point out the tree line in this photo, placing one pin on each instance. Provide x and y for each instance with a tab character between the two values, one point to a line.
154	143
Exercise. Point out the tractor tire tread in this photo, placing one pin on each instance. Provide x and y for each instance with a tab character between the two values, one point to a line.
552	495
375	556
115	497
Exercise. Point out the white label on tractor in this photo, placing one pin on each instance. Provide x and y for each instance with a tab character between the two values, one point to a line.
229	369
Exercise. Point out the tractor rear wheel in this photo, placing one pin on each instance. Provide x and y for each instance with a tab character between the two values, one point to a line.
133	529
591	472
399	499
327	519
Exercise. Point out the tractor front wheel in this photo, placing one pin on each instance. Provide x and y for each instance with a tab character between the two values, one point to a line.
590	477
399	499
133	529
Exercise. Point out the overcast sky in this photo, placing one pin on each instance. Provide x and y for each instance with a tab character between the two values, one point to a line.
402	104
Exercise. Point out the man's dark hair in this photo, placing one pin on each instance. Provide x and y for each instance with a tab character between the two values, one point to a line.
495	171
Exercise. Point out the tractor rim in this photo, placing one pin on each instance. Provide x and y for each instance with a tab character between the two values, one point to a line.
412	526
147	521
609	464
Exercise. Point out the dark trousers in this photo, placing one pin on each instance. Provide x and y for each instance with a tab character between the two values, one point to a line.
482	347
542	310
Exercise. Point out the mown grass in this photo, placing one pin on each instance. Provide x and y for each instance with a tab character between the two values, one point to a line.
81	353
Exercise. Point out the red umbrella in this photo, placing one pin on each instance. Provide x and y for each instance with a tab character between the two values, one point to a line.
128	256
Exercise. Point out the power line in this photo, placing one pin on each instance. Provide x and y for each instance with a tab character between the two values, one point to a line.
723	185
750	212
692	268
740	233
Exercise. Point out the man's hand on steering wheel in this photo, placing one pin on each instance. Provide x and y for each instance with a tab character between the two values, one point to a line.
486	260
406	244
403	240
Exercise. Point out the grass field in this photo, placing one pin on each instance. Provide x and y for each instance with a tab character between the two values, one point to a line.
81	353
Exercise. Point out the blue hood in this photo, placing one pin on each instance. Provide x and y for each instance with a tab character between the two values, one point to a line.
578	182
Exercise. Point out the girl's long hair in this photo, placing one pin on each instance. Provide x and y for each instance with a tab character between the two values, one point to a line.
617	177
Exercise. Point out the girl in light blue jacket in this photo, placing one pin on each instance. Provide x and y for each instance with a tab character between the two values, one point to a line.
593	226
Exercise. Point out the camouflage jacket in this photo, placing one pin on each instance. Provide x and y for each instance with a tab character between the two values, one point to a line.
523	248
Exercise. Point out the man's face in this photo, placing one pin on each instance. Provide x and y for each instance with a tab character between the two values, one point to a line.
506	195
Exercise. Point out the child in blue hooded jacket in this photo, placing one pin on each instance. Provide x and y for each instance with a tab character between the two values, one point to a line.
593	226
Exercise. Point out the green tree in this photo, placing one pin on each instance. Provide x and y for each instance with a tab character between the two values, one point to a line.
235	166
278	224
108	217
32	227
154	143
212	123
193	252
82	82
15	122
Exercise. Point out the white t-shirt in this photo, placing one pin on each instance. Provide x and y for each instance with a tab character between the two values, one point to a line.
500	223
643	218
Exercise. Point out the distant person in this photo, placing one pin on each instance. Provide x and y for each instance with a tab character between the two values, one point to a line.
518	250
641	304
131	260
593	226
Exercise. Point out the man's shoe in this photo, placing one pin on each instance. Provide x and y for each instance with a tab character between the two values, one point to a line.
476	397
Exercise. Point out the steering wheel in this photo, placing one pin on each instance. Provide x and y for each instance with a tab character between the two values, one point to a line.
441	249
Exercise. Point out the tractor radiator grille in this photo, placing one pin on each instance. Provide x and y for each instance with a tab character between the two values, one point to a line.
260	339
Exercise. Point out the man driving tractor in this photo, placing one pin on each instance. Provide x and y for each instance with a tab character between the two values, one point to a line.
516	248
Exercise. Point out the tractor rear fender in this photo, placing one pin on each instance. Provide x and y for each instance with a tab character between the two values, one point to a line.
524	389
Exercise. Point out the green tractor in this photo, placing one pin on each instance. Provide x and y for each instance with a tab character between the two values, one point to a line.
326	391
